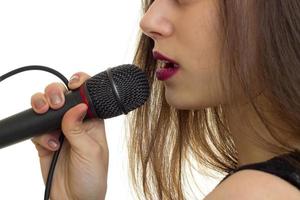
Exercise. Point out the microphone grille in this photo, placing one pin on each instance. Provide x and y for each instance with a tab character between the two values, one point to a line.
131	84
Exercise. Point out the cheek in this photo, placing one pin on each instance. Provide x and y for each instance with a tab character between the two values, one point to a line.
204	50
200	91
198	85
201	85
199	29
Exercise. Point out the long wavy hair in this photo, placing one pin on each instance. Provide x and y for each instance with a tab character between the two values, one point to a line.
261	44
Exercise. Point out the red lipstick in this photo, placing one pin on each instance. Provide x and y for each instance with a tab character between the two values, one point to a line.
170	67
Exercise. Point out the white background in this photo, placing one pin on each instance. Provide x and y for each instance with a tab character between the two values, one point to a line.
69	36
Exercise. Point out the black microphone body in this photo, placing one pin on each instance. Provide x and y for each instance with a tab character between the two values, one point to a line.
111	93
27	124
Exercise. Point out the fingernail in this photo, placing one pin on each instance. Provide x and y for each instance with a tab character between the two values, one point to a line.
53	144
74	79
55	99
39	103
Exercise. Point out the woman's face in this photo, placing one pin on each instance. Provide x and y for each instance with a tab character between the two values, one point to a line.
187	31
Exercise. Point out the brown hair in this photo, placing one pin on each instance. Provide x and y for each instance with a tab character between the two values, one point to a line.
261	45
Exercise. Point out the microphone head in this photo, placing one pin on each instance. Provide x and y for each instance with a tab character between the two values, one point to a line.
130	83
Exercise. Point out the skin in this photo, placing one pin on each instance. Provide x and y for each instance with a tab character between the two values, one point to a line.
81	171
185	31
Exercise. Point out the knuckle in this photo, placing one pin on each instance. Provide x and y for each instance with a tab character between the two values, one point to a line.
84	75
36	95
40	140
76	130
50	87
77	79
55	87
35	142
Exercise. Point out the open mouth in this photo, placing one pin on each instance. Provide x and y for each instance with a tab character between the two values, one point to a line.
163	61
166	64
167	67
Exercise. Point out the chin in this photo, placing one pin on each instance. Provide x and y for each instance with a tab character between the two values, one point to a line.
182	103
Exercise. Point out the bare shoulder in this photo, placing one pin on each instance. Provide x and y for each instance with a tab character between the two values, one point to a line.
254	185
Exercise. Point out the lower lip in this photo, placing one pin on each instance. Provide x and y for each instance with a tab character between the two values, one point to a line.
163	74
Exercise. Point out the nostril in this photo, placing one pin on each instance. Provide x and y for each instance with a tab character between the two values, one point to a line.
154	35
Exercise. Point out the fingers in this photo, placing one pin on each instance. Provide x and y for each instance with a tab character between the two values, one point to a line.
87	139
77	80
54	93
39	103
46	150
72	127
53	98
47	143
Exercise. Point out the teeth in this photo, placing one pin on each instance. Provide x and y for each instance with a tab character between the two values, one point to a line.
166	64
161	63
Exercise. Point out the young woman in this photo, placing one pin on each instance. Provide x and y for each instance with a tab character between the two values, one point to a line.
225	91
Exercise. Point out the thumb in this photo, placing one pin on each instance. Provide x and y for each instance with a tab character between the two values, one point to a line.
73	128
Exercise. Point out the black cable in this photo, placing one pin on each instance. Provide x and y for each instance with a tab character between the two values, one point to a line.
61	137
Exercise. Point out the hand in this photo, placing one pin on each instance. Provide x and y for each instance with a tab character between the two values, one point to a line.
82	167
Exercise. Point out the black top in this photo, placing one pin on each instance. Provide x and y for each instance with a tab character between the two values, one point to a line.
278	166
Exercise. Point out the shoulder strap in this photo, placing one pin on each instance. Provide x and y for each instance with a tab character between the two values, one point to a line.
285	166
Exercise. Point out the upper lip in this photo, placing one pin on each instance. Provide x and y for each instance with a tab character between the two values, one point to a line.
158	56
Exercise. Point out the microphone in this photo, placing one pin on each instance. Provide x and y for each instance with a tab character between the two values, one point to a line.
110	93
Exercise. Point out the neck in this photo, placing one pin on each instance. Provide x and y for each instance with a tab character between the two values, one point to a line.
247	131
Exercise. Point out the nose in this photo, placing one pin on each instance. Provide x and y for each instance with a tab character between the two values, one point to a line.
155	23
